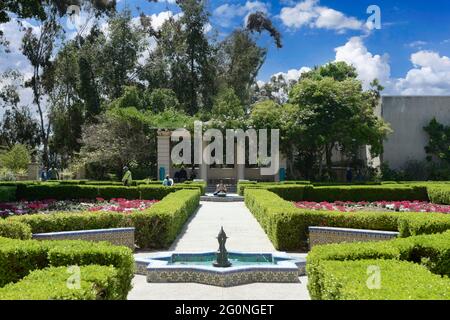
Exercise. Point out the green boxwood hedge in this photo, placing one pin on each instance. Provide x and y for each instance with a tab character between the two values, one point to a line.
287	226
155	227
294	192
7	193
339	271
68	191
19	257
400	280
96	283
439	193
159	226
14	229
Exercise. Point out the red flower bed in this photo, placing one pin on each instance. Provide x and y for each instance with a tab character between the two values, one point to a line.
348	206
51	205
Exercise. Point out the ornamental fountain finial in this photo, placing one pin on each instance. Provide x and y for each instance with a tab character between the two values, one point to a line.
222	254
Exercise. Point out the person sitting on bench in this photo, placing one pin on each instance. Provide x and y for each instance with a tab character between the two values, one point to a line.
221	189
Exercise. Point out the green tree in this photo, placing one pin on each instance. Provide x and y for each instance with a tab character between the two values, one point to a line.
162	99
228	109
120	137
268	114
336	113
16	159
439	141
199	54
38	49
184	60
131	97
241	59
42	10
120	54
19	127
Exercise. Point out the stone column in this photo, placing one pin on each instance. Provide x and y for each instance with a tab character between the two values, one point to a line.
163	147
283	164
33	171
204	166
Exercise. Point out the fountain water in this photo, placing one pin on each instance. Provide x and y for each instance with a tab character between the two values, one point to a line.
221	268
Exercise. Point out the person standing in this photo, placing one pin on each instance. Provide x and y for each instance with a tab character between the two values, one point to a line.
44	174
349	175
167	182
127	178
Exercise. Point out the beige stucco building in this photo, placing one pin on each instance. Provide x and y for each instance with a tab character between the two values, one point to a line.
407	115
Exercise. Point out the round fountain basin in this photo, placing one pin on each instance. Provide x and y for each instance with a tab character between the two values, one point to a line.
198	267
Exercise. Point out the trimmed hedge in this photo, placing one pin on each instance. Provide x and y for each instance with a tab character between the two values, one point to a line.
96	283
339	271
159	226
155	227
365	193
287	226
71	221
68	191
399	280
14	229
7	193
296	192
19	257
439	194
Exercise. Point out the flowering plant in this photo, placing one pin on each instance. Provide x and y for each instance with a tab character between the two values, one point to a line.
51	205
400	206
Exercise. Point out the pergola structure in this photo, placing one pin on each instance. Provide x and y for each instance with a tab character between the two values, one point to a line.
231	174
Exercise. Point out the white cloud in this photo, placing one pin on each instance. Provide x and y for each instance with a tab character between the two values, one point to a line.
226	13
369	66
430	75
309	13
292	74
417	44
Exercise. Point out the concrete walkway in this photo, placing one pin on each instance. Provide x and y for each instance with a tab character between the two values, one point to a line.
199	234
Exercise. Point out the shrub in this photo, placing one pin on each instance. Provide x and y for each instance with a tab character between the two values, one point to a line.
287	226
298	192
88	253
432	251
56	191
96	283
19	257
400	280
71	221
155	227
439	193
67	191
7	193
365	193
16	159
159	226
14	230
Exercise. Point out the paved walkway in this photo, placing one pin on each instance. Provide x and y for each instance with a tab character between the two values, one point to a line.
199	234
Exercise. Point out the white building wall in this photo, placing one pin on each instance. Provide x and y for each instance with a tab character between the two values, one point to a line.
407	116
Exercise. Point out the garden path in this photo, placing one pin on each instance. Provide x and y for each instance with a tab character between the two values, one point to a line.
199	234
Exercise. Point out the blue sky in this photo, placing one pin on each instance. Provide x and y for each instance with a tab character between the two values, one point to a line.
409	54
